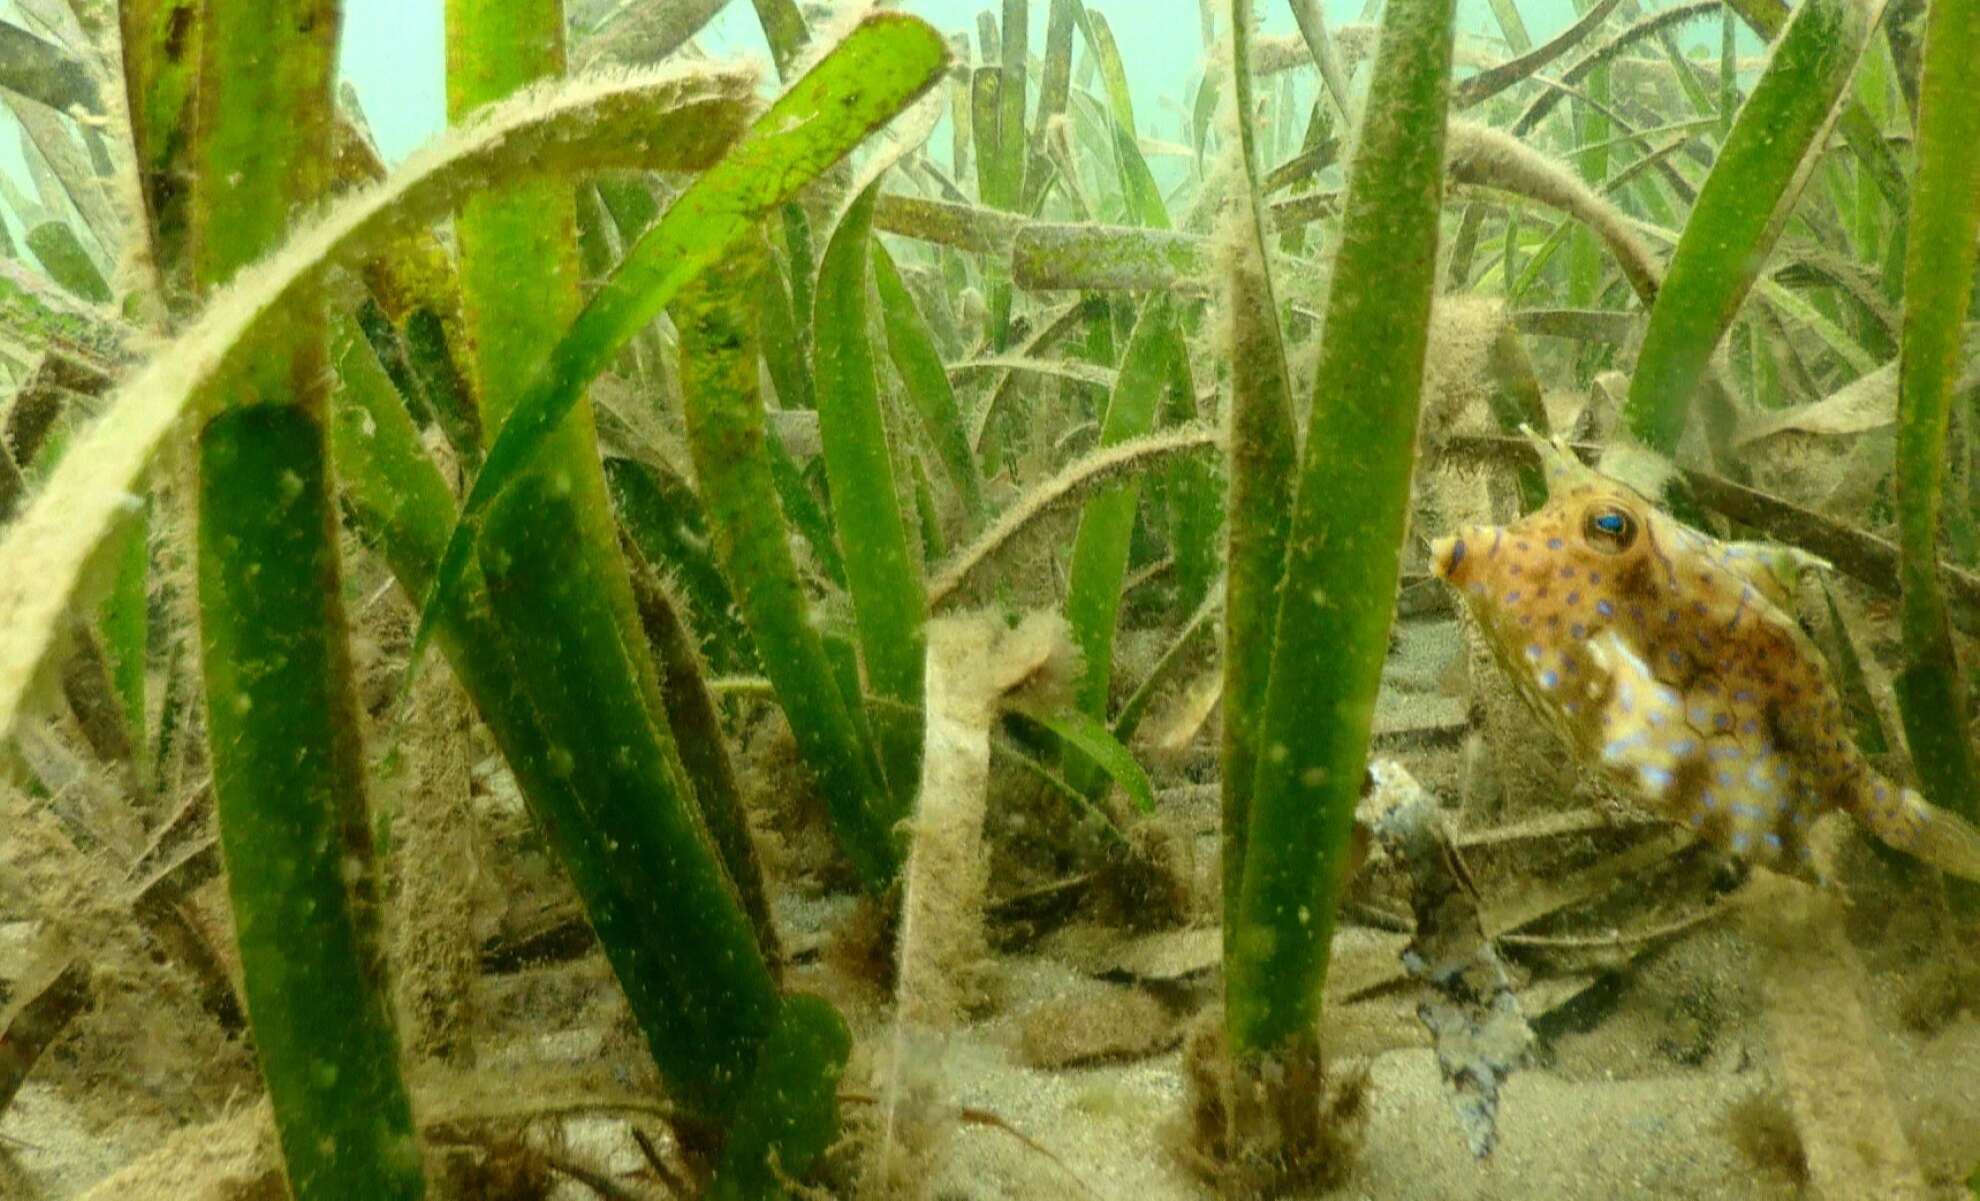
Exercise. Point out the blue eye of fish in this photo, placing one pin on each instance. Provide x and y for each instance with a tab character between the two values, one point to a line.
1609	530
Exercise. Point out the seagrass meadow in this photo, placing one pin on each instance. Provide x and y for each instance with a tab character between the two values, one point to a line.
931	613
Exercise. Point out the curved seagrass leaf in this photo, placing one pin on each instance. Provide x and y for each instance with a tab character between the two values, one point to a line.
1738	214
667	119
876	72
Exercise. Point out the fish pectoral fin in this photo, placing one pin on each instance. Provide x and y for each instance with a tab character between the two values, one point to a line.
1731	795
1639	720
1774	569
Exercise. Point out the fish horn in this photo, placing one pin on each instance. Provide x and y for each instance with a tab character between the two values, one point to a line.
1557	460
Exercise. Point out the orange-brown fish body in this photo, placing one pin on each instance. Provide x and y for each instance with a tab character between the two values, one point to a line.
1671	661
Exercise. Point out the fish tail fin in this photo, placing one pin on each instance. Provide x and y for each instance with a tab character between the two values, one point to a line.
1906	820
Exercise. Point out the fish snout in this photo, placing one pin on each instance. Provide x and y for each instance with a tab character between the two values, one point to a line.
1450	557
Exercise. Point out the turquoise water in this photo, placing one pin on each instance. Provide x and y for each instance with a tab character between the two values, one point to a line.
393	50
394	56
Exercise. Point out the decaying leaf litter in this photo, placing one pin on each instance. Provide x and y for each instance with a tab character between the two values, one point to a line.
1533	990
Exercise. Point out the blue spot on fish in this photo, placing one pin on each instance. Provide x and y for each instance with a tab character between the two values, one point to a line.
1550	679
1605	608
1614	750
1745	594
1656	779
1555	544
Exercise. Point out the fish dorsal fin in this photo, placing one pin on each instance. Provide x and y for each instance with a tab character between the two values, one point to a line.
1774	569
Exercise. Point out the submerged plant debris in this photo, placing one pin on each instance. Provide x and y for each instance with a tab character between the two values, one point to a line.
1473	1015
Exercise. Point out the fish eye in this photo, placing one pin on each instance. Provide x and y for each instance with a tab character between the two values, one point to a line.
1609	529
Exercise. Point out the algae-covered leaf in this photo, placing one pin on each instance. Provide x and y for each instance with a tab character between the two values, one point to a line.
1346	537
287	792
663	517
634	845
1092	472
1092	739
725	429
1740	210
919	364
1100	548
889	606
1262	465
867	79
68	264
1865	723
790	1115
655	119
1938	288
1046	257
1488	83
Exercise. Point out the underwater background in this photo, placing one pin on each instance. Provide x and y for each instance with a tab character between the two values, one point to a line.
394	53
